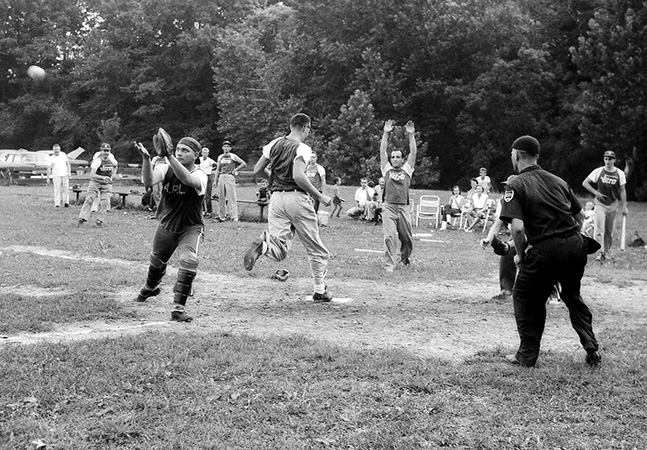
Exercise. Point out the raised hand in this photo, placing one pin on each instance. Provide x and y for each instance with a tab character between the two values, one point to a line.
409	128
388	126
142	150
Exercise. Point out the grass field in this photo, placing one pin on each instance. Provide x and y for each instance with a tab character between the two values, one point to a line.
203	386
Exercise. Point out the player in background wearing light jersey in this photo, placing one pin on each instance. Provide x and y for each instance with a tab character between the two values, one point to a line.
396	208
102	172
607	183
227	168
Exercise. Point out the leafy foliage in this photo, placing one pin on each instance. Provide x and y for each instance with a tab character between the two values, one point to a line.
471	74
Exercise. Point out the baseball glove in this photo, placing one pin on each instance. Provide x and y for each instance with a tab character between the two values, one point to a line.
281	275
500	248
162	143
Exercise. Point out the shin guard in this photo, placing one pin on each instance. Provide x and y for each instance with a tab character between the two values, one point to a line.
183	286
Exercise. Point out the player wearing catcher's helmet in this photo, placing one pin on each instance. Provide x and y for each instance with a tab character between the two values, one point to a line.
180	217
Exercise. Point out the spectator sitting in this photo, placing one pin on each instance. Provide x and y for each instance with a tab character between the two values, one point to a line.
453	208
372	204
263	194
588	225
363	195
375	210
478	207
470	193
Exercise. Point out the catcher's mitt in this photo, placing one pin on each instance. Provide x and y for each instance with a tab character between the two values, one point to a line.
162	143
500	248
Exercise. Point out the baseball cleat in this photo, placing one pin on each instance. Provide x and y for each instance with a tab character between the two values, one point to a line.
322	298
145	293
180	316
593	359
258	248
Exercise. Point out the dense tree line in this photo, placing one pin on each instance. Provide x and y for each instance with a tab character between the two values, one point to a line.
471	74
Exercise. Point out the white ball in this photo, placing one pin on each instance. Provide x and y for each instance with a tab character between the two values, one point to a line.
36	73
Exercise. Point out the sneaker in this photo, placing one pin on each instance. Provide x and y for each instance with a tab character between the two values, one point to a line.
80	222
234	220
180	316
258	248
145	293
554	301
593	359
322	298
99	224
207	215
389	269
406	262
67	205
443	227
601	257
58	206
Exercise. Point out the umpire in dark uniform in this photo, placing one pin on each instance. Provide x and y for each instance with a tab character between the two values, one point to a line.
545	218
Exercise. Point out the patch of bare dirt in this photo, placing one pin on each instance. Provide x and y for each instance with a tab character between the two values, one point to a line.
449	320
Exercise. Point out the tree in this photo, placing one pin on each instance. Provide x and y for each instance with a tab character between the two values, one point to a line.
612	59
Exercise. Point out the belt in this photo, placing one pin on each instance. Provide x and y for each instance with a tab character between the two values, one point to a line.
289	190
564	235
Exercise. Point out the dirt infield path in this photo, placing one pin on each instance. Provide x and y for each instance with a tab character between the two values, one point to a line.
450	320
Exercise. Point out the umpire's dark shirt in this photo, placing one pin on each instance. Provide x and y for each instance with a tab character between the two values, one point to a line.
543	201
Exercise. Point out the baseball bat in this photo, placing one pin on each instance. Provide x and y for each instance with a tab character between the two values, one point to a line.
623	237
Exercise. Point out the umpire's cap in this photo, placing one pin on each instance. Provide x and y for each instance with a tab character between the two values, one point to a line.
527	144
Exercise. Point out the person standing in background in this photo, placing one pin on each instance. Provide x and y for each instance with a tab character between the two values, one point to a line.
607	183
102	172
59	171
227	167
317	175
207	165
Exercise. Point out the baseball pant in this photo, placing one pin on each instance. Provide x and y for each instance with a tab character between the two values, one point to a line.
555	259
186	243
292	212
396	224
96	192
604	220
227	196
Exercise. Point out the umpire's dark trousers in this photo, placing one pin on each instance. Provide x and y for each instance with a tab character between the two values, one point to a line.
554	259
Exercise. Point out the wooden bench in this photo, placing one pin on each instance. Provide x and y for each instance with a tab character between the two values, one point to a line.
123	195
261	205
77	191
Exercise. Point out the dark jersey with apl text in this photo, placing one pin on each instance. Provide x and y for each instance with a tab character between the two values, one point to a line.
180	205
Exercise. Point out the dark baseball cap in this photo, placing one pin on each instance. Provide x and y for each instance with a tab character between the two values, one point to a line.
105	146
227	143
610	154
527	144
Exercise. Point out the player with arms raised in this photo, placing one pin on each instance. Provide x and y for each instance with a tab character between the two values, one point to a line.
179	214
